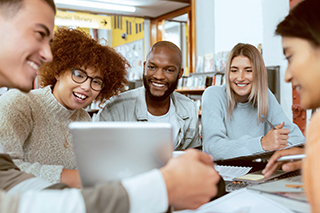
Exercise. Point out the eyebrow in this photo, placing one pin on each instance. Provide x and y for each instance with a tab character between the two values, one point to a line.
96	76
45	29
149	62
284	50
238	68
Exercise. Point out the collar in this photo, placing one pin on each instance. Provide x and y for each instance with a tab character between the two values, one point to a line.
141	105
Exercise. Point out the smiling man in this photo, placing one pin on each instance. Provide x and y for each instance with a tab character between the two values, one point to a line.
157	101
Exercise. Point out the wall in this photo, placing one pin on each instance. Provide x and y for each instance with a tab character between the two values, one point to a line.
274	11
223	23
205	25
237	21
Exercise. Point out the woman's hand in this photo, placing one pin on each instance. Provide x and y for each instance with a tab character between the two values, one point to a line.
273	165
71	178
275	138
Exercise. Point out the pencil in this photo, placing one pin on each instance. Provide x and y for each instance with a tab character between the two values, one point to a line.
266	120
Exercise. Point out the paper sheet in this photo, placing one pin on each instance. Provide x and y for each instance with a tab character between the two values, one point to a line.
240	201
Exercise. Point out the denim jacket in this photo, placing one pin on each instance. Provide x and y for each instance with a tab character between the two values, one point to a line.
131	106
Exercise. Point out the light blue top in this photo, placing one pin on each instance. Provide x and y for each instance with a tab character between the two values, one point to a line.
241	135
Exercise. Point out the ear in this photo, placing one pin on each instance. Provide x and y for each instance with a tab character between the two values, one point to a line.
144	66
57	77
181	72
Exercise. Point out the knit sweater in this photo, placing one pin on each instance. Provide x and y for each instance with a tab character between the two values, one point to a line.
241	135
311	164
34	129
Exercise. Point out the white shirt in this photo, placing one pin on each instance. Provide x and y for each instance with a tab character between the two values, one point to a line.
169	117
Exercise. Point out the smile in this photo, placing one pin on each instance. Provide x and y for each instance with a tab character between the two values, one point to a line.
80	96
33	65
242	85
157	84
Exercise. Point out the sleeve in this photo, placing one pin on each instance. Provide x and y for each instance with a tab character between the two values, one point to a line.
57	201
110	197
10	175
147	192
104	114
311	164
9	204
16	125
276	115
192	136
214	133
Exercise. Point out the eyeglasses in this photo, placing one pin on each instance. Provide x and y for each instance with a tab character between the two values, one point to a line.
80	76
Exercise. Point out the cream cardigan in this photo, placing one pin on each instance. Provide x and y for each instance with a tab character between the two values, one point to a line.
34	130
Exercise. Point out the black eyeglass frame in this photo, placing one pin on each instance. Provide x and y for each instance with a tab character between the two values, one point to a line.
91	79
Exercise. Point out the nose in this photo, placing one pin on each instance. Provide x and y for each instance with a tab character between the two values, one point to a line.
241	75
288	76
86	85
45	53
159	74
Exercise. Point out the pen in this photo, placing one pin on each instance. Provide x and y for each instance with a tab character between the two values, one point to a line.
266	120
292	157
284	158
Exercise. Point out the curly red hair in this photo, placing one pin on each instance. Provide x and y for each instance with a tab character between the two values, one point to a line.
75	48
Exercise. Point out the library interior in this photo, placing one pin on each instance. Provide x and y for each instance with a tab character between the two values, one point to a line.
182	106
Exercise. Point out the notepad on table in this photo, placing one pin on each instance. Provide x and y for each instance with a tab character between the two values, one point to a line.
228	173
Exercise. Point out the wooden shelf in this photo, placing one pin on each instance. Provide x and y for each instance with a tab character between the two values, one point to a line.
190	91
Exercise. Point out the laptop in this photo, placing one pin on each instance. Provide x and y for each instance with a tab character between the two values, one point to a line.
107	151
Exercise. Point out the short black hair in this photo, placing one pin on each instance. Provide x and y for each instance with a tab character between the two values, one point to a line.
8	8
303	21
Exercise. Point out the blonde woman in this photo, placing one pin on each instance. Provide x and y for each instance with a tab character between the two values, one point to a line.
231	114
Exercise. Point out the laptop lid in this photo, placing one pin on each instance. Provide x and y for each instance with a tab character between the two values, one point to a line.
108	151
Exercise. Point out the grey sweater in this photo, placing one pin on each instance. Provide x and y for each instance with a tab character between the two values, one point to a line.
34	130
241	135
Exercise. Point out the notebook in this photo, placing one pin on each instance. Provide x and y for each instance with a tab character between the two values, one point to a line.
107	151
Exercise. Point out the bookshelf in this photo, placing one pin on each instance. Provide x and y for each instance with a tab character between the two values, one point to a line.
190	91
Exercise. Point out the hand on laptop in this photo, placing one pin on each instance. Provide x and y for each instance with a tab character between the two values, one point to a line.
273	165
191	179
71	178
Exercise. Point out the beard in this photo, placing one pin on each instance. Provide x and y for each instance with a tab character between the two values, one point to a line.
166	94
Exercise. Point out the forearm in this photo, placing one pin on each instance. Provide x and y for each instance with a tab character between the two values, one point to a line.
222	148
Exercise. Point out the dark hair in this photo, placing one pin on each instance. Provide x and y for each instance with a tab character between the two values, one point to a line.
9	8
73	48
303	21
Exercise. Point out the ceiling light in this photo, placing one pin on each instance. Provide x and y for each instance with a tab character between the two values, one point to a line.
97	5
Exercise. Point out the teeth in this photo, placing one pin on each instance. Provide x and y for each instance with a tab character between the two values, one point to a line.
158	85
33	65
242	85
298	88
79	96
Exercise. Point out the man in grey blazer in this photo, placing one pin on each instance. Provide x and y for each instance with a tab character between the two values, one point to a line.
156	100
26	28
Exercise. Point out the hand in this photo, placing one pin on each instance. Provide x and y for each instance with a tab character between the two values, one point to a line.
190	179
71	178
275	138
273	165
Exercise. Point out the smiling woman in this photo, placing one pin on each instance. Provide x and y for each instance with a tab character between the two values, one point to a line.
231	114
34	125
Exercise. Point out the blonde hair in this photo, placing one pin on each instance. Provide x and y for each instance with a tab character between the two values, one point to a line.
259	92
